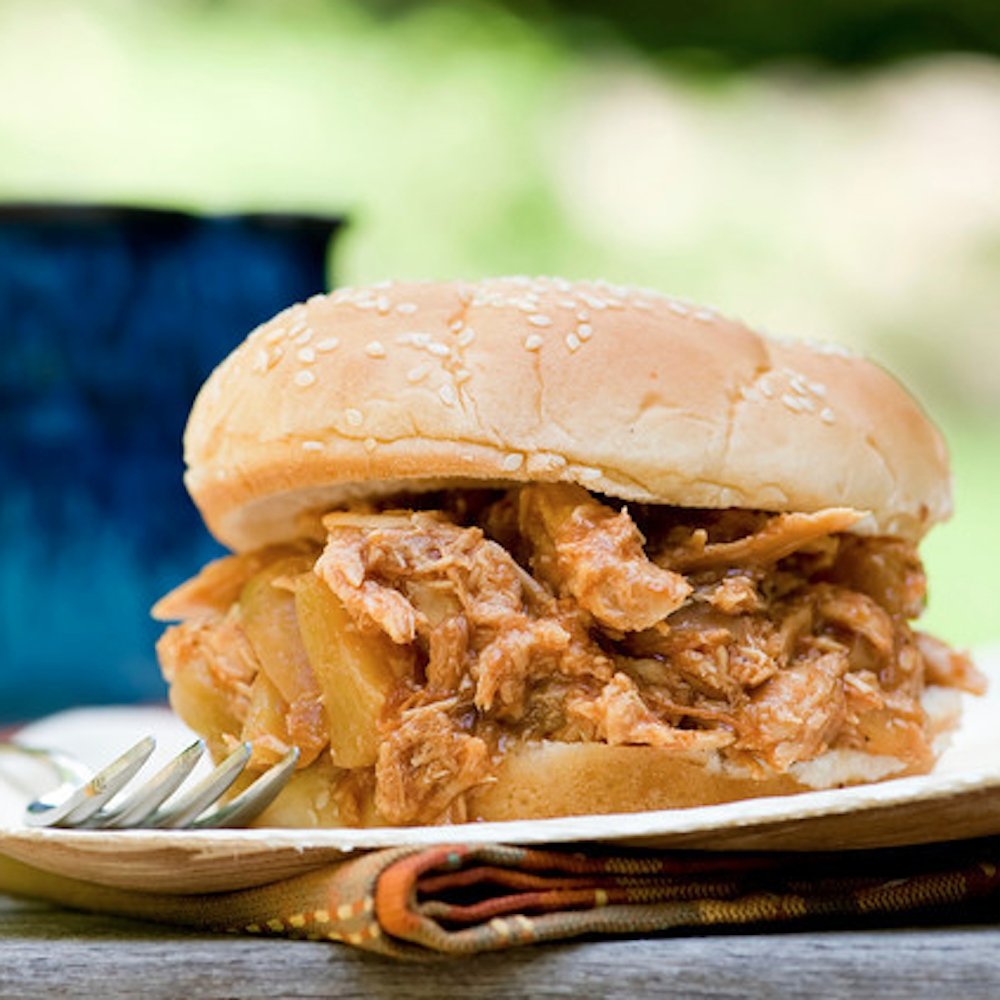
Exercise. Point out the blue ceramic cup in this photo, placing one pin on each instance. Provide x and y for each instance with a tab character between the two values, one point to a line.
110	319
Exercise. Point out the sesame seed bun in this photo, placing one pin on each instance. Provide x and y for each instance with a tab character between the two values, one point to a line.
628	393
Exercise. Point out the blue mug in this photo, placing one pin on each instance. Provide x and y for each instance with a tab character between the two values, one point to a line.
110	320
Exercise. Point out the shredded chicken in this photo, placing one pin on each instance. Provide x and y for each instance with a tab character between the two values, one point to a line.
796	714
461	596
735	595
621	716
947	667
780	537
584	549
538	615
221	649
425	764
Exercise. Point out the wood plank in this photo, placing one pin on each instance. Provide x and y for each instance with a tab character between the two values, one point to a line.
45	951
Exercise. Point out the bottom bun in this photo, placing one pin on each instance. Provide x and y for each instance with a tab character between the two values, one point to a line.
547	780
561	779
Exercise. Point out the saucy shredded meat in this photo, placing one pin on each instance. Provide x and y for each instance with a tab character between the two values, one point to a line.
546	613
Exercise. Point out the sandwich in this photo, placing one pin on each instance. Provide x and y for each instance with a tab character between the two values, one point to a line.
522	548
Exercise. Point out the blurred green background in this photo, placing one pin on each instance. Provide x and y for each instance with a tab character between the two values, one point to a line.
829	169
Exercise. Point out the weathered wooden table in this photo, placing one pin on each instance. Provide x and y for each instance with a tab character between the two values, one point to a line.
54	953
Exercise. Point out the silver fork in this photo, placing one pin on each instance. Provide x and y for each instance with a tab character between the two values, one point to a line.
80	800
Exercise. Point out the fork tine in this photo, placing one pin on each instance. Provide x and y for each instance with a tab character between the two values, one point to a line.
89	798
252	801
192	803
152	794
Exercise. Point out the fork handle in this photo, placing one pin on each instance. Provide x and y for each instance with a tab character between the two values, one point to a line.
66	767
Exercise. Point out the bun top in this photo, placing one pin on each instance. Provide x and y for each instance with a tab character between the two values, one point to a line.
627	392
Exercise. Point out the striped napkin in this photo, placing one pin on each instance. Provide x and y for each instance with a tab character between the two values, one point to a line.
420	903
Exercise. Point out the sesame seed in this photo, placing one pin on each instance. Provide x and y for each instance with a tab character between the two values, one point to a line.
312	445
304	336
466	337
306	355
793	402
456	326
678	307
572	341
370	444
557	461
354	417
585	331
415	337
538	319
304	378
826	415
705	315
382	304
827	347
315	300
419	372
278	333
583	315
766	390
462	375
438	349
817	388
642	304
260	361
448	395
588	472
533	341
567	303
406	308
327	344
375	349
276	354
512	462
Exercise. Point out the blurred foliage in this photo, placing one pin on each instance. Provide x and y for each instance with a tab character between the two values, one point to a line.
737	34
730	152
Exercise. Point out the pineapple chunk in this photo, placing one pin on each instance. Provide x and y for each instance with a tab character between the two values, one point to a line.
356	670
194	692
266	725
271	624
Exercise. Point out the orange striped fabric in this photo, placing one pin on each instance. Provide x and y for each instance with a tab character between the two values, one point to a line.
422	903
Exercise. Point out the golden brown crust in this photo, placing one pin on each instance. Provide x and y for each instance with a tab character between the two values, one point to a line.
625	392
